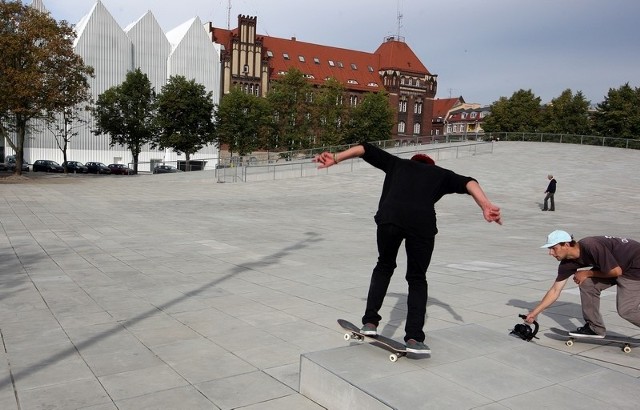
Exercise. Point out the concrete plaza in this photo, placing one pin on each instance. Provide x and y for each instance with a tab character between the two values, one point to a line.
178	292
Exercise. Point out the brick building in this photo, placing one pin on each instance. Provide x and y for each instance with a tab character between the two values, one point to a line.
252	61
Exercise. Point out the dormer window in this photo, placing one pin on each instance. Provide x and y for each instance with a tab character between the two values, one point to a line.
331	63
286	56
353	66
316	60
301	58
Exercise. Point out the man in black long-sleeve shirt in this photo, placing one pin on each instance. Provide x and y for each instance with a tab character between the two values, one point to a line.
406	211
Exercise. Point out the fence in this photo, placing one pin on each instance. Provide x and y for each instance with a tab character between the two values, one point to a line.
565	139
299	164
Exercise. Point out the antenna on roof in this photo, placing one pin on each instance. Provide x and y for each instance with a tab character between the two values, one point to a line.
399	19
229	15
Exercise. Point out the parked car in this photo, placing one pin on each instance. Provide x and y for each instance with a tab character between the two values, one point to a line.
10	164
97	168
165	169
120	169
75	167
45	165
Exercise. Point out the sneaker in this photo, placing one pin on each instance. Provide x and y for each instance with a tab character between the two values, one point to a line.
417	347
369	329
585	331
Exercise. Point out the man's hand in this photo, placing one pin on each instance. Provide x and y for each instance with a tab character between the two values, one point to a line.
491	213
325	159
581	275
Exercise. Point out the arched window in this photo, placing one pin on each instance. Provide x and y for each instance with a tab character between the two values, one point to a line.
401	127
416	128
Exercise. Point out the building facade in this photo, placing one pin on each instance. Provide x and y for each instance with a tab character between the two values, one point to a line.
113	52
252	61
465	121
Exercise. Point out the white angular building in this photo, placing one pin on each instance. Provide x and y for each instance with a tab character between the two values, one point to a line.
112	51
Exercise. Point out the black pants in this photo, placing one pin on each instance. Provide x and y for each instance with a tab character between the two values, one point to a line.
419	252
548	197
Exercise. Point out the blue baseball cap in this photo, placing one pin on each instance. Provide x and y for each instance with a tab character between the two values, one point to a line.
557	237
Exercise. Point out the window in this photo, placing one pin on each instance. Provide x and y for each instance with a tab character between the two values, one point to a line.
416	128
340	64
353	100
474	114
464	115
402	106
316	60
417	107
286	56
331	63
353	66
370	69
269	53
372	84
350	81
401	127
301	58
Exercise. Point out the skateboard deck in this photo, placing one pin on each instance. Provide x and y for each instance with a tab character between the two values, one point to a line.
624	341
396	348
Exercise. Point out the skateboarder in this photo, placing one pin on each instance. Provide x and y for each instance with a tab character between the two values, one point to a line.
406	212
612	261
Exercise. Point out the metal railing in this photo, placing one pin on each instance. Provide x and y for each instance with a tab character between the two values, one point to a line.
299	164
627	143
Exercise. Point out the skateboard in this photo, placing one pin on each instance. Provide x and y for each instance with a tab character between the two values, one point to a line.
396	348
624	341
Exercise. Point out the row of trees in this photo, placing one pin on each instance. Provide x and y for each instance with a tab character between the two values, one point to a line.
617	116
295	115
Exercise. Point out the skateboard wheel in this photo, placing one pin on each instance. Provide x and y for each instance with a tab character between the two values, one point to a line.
569	343
626	349
393	357
347	336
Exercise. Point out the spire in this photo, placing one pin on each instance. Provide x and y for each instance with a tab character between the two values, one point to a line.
39	5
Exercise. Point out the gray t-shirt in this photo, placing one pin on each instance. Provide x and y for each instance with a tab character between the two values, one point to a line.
604	253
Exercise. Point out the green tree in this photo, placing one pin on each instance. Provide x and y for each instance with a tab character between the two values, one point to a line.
567	114
331	114
290	99
371	120
184	117
126	113
242	122
619	114
40	74
520	113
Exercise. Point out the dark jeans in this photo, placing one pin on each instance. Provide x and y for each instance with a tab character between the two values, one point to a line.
548	197
419	252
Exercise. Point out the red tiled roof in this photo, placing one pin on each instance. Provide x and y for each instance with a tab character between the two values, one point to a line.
356	69
442	106
396	54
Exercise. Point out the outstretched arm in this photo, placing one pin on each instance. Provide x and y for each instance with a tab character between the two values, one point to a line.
549	298
490	212
327	159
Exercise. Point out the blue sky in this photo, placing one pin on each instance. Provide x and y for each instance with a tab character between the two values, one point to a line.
480	49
